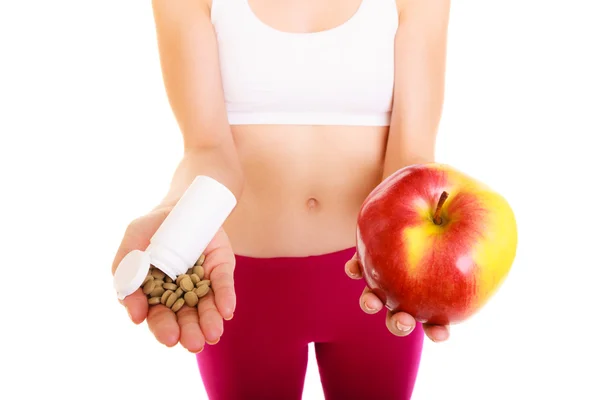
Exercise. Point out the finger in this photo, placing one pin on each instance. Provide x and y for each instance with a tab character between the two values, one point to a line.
437	333
163	324
137	306
210	319
352	268
221	279
369	302
400	323
219	266
191	336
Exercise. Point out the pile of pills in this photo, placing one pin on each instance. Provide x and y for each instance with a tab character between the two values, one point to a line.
188	288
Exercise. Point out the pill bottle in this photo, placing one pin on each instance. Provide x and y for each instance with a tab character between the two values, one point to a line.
181	238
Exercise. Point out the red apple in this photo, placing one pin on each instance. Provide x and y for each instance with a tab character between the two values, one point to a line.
435	243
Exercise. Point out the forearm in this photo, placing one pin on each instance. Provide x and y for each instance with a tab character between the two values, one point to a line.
219	162
404	150
419	83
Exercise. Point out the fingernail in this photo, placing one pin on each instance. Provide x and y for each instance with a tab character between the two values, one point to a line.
199	351
129	313
368	307
229	318
402	328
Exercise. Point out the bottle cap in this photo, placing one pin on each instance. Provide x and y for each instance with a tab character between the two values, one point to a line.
131	272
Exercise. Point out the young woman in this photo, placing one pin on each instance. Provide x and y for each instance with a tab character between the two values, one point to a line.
300	108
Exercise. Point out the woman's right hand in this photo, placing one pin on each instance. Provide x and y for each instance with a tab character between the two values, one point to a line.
192	327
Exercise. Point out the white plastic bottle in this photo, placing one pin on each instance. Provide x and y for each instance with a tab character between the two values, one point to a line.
181	238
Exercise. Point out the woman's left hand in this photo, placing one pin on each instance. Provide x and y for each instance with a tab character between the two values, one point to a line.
400	323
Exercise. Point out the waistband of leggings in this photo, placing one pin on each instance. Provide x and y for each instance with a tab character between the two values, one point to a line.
336	256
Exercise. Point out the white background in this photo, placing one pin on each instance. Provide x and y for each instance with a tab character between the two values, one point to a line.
88	142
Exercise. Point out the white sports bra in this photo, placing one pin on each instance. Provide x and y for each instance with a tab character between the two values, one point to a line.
341	76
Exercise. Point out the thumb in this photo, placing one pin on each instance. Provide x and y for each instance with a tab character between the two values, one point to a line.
138	234
352	267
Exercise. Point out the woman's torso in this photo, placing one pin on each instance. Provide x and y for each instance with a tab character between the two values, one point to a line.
305	183
304	187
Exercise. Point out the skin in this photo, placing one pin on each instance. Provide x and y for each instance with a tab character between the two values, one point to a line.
295	197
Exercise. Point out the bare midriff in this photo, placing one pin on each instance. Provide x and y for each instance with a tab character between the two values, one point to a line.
304	186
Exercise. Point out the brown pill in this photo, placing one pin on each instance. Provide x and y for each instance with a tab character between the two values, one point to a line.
180	277
157	292
204	282
186	284
148	287
191	299
171	300
170	286
179	292
201	290
165	296
154	301
201	260
158	283
199	270
178	304
195	278
148	278
189	271
158	274
168	279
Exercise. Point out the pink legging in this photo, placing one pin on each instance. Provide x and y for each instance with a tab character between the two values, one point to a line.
283	304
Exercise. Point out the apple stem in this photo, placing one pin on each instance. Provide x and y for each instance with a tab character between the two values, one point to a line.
437	216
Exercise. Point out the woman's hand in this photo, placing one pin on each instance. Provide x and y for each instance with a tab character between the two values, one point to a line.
400	324
190	326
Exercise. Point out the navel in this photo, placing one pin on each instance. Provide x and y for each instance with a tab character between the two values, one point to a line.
312	203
